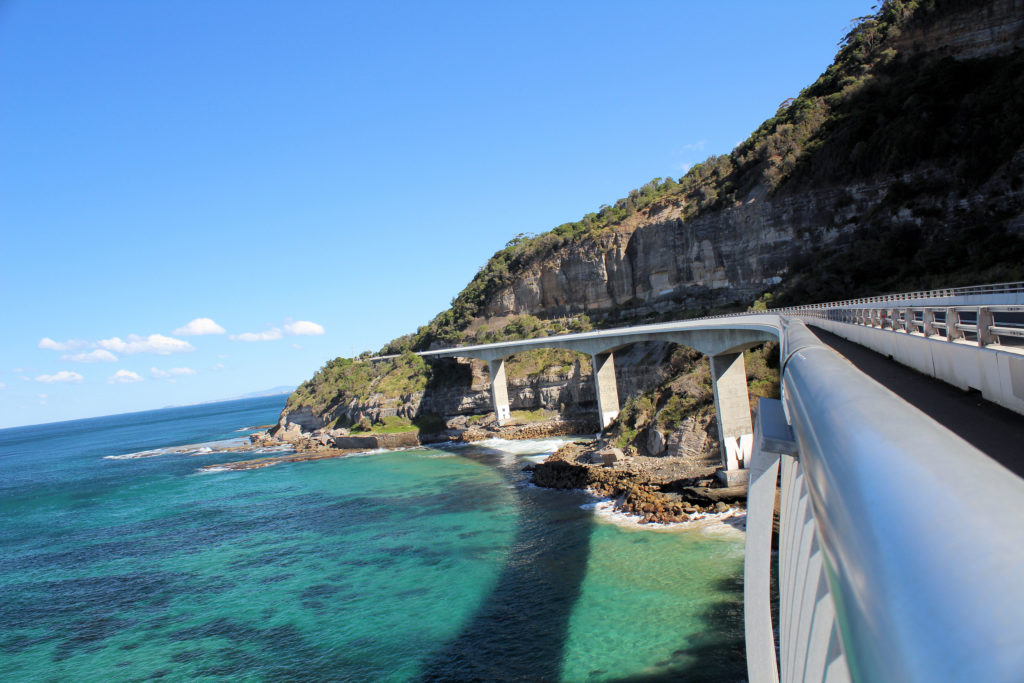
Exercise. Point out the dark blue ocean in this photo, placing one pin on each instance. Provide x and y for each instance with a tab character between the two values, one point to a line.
426	564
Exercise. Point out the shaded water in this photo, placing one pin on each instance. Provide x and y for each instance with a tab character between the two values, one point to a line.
422	564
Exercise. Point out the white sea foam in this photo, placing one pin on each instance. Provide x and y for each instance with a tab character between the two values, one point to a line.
273	449
432	452
526	447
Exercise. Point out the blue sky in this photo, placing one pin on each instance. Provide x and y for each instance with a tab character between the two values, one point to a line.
318	178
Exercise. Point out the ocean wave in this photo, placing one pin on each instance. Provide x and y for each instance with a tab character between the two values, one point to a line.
139	454
187	449
212	470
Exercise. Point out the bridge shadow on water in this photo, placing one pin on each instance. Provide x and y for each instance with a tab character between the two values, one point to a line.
718	654
520	630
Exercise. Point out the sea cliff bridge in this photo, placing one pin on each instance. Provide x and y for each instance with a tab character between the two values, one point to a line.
901	544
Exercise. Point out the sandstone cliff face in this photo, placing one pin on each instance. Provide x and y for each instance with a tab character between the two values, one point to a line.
985	29
665	263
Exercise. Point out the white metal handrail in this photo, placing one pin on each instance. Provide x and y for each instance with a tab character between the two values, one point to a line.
921	579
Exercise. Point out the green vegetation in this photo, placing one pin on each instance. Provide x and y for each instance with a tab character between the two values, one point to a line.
387	425
541	362
527	416
344	379
427	424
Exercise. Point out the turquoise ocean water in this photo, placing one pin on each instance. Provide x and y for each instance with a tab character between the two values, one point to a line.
425	564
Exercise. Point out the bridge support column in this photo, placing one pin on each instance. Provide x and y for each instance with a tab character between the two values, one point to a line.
732	403
499	391
606	387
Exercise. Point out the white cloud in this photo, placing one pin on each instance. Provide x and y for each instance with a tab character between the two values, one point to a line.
97	356
124	377
303	327
218	366
70	344
270	335
296	346
173	372
62	376
695	146
154	343
293	328
2	385
200	326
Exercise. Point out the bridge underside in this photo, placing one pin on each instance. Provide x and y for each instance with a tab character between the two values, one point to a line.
724	347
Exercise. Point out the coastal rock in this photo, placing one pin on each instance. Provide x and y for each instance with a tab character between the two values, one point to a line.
611	456
631	487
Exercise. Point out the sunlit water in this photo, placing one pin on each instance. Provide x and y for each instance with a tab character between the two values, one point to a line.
420	564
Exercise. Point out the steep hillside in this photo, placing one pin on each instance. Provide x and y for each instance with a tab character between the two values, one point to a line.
900	167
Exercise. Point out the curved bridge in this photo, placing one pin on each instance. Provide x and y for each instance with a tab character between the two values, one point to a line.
723	340
901	544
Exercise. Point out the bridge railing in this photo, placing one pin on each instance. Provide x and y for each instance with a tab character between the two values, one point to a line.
978	325
901	544
946	293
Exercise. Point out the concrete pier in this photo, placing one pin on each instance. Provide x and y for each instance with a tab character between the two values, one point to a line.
499	390
732	404
606	387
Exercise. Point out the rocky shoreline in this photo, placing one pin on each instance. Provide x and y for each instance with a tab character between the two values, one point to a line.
657	490
338	443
